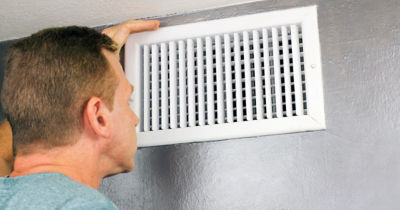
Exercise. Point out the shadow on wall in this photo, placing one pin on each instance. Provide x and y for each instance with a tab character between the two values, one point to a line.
3	50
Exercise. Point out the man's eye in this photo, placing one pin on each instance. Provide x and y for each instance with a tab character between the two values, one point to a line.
130	101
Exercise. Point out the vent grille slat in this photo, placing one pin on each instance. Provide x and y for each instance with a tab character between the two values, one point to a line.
297	70
191	83
220	88
210	82
247	76
146	88
182	85
257	76
286	71
267	73
154	87
228	78
276	69
172	86
200	82
164	87
238	77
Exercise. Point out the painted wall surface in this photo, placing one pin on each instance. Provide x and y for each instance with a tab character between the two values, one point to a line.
20	18
354	164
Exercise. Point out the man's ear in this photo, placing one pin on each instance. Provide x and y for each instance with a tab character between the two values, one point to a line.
97	117
6	151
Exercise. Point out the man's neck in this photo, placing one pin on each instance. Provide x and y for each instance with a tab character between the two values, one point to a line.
82	167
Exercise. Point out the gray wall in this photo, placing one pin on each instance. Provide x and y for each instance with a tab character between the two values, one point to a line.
354	164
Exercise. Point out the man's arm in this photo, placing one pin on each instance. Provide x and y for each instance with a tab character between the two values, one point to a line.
6	156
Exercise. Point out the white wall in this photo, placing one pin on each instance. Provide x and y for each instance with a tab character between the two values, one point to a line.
19	18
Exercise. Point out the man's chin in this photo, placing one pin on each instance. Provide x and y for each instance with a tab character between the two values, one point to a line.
124	169
129	167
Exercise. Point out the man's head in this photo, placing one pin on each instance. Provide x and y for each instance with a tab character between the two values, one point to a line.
49	79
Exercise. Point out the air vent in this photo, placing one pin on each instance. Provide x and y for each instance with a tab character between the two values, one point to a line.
229	78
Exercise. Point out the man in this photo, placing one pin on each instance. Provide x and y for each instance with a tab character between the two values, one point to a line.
66	98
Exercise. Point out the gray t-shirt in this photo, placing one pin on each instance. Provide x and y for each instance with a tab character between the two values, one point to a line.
49	191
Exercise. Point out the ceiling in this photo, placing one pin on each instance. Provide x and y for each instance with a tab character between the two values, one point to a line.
19	18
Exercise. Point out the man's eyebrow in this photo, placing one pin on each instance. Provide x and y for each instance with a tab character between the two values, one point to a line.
132	88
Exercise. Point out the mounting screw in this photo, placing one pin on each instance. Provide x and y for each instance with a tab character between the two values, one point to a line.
313	66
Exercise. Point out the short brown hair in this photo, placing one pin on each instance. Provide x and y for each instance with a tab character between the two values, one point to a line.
48	79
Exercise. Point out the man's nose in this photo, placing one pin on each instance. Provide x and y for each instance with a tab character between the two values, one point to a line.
136	119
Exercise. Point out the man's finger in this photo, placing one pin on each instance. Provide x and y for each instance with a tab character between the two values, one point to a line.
120	36
135	26
119	33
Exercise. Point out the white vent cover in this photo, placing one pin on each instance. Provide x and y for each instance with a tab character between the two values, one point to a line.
237	77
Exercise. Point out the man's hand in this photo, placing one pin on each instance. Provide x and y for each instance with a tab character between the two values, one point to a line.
119	33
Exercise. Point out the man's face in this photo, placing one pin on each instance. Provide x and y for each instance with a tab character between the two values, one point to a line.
123	120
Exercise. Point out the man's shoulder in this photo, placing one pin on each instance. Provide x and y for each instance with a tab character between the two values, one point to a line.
52	190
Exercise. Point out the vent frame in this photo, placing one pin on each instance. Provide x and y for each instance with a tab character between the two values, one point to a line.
315	118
